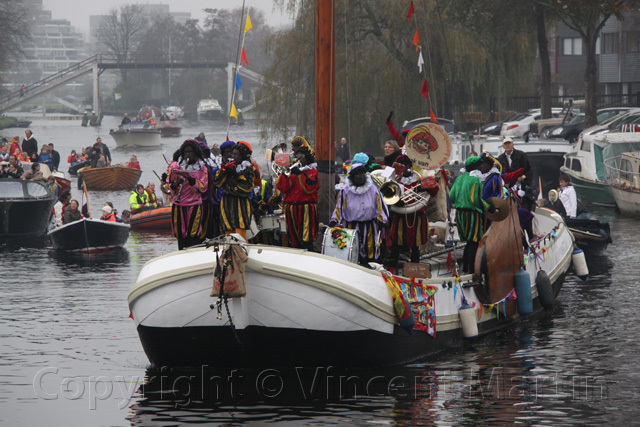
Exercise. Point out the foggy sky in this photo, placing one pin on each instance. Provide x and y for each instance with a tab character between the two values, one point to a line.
78	11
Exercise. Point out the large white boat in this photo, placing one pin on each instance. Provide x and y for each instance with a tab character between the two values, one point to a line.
209	109
308	309
137	135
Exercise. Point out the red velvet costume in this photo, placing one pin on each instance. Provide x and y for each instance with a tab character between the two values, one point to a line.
300	205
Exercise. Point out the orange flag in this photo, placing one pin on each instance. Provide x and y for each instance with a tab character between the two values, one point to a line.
433	117
416	40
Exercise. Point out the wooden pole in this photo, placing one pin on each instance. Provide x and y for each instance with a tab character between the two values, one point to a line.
325	106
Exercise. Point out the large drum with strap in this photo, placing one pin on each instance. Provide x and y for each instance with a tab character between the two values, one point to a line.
341	243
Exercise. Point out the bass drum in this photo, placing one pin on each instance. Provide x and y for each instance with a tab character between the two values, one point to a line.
253	230
349	252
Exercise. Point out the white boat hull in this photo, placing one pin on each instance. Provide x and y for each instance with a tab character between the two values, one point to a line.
301	309
137	138
628	200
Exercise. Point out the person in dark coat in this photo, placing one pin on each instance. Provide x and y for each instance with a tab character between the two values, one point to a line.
342	152
30	144
512	160
98	149
55	157
126	121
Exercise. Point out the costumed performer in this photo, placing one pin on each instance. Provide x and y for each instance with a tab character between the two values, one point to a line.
409	230
236	179
300	191
360	206
188	177
466	196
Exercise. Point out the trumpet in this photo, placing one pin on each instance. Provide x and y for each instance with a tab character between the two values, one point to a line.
393	193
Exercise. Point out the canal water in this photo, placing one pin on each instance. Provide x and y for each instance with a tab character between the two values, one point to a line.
70	355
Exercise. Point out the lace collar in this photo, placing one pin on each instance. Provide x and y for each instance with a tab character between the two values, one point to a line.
242	166
408	180
191	167
483	176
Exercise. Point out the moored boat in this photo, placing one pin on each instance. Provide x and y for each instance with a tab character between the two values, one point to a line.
89	235
623	177
158	219
590	235
25	207
320	309
117	177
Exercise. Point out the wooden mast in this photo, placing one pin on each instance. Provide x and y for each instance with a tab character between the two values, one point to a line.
325	106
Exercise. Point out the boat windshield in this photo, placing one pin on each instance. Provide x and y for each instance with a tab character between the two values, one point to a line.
11	189
36	190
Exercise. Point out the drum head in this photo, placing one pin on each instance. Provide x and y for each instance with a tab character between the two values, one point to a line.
428	146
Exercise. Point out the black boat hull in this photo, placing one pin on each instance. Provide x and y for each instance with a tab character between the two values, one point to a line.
73	170
22	214
89	235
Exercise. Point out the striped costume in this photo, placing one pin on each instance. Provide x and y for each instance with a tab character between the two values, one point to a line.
189	214
362	208
235	207
300	205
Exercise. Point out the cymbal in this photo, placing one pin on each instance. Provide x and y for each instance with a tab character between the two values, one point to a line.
502	207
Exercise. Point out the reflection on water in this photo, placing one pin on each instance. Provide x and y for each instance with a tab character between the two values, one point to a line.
100	261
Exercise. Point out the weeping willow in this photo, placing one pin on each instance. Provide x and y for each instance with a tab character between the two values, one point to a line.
377	71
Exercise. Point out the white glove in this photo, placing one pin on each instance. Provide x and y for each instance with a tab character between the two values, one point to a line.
521	193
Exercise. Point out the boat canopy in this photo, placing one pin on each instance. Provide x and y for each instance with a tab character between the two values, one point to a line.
18	189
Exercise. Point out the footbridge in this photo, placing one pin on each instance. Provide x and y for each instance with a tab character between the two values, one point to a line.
97	64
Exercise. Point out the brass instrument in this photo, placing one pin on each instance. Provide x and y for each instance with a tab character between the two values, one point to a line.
393	192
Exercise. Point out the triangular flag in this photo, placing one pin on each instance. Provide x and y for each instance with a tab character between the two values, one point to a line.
425	89
248	25
238	82
234	112
480	312
449	261
416	40
539	189
433	116
411	11
243	57
420	61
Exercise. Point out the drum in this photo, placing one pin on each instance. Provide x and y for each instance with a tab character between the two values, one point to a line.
336	237
270	222
253	230
283	223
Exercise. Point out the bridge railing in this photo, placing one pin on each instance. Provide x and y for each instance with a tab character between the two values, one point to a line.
75	67
109	59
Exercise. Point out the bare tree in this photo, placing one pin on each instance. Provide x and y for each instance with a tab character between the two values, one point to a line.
15	32
122	31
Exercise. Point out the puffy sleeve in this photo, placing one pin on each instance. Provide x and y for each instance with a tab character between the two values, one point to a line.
338	213
283	184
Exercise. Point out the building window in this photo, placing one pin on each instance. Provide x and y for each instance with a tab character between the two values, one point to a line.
633	41
610	43
573	46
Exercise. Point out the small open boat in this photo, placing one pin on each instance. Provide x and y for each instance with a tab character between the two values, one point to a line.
89	235
170	128
158	219
591	235
117	177
25	207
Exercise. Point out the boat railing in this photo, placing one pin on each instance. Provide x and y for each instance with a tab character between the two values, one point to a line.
621	177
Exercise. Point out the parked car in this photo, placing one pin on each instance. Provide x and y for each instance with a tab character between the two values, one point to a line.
492	128
613	124
518	125
447	124
570	131
566	113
